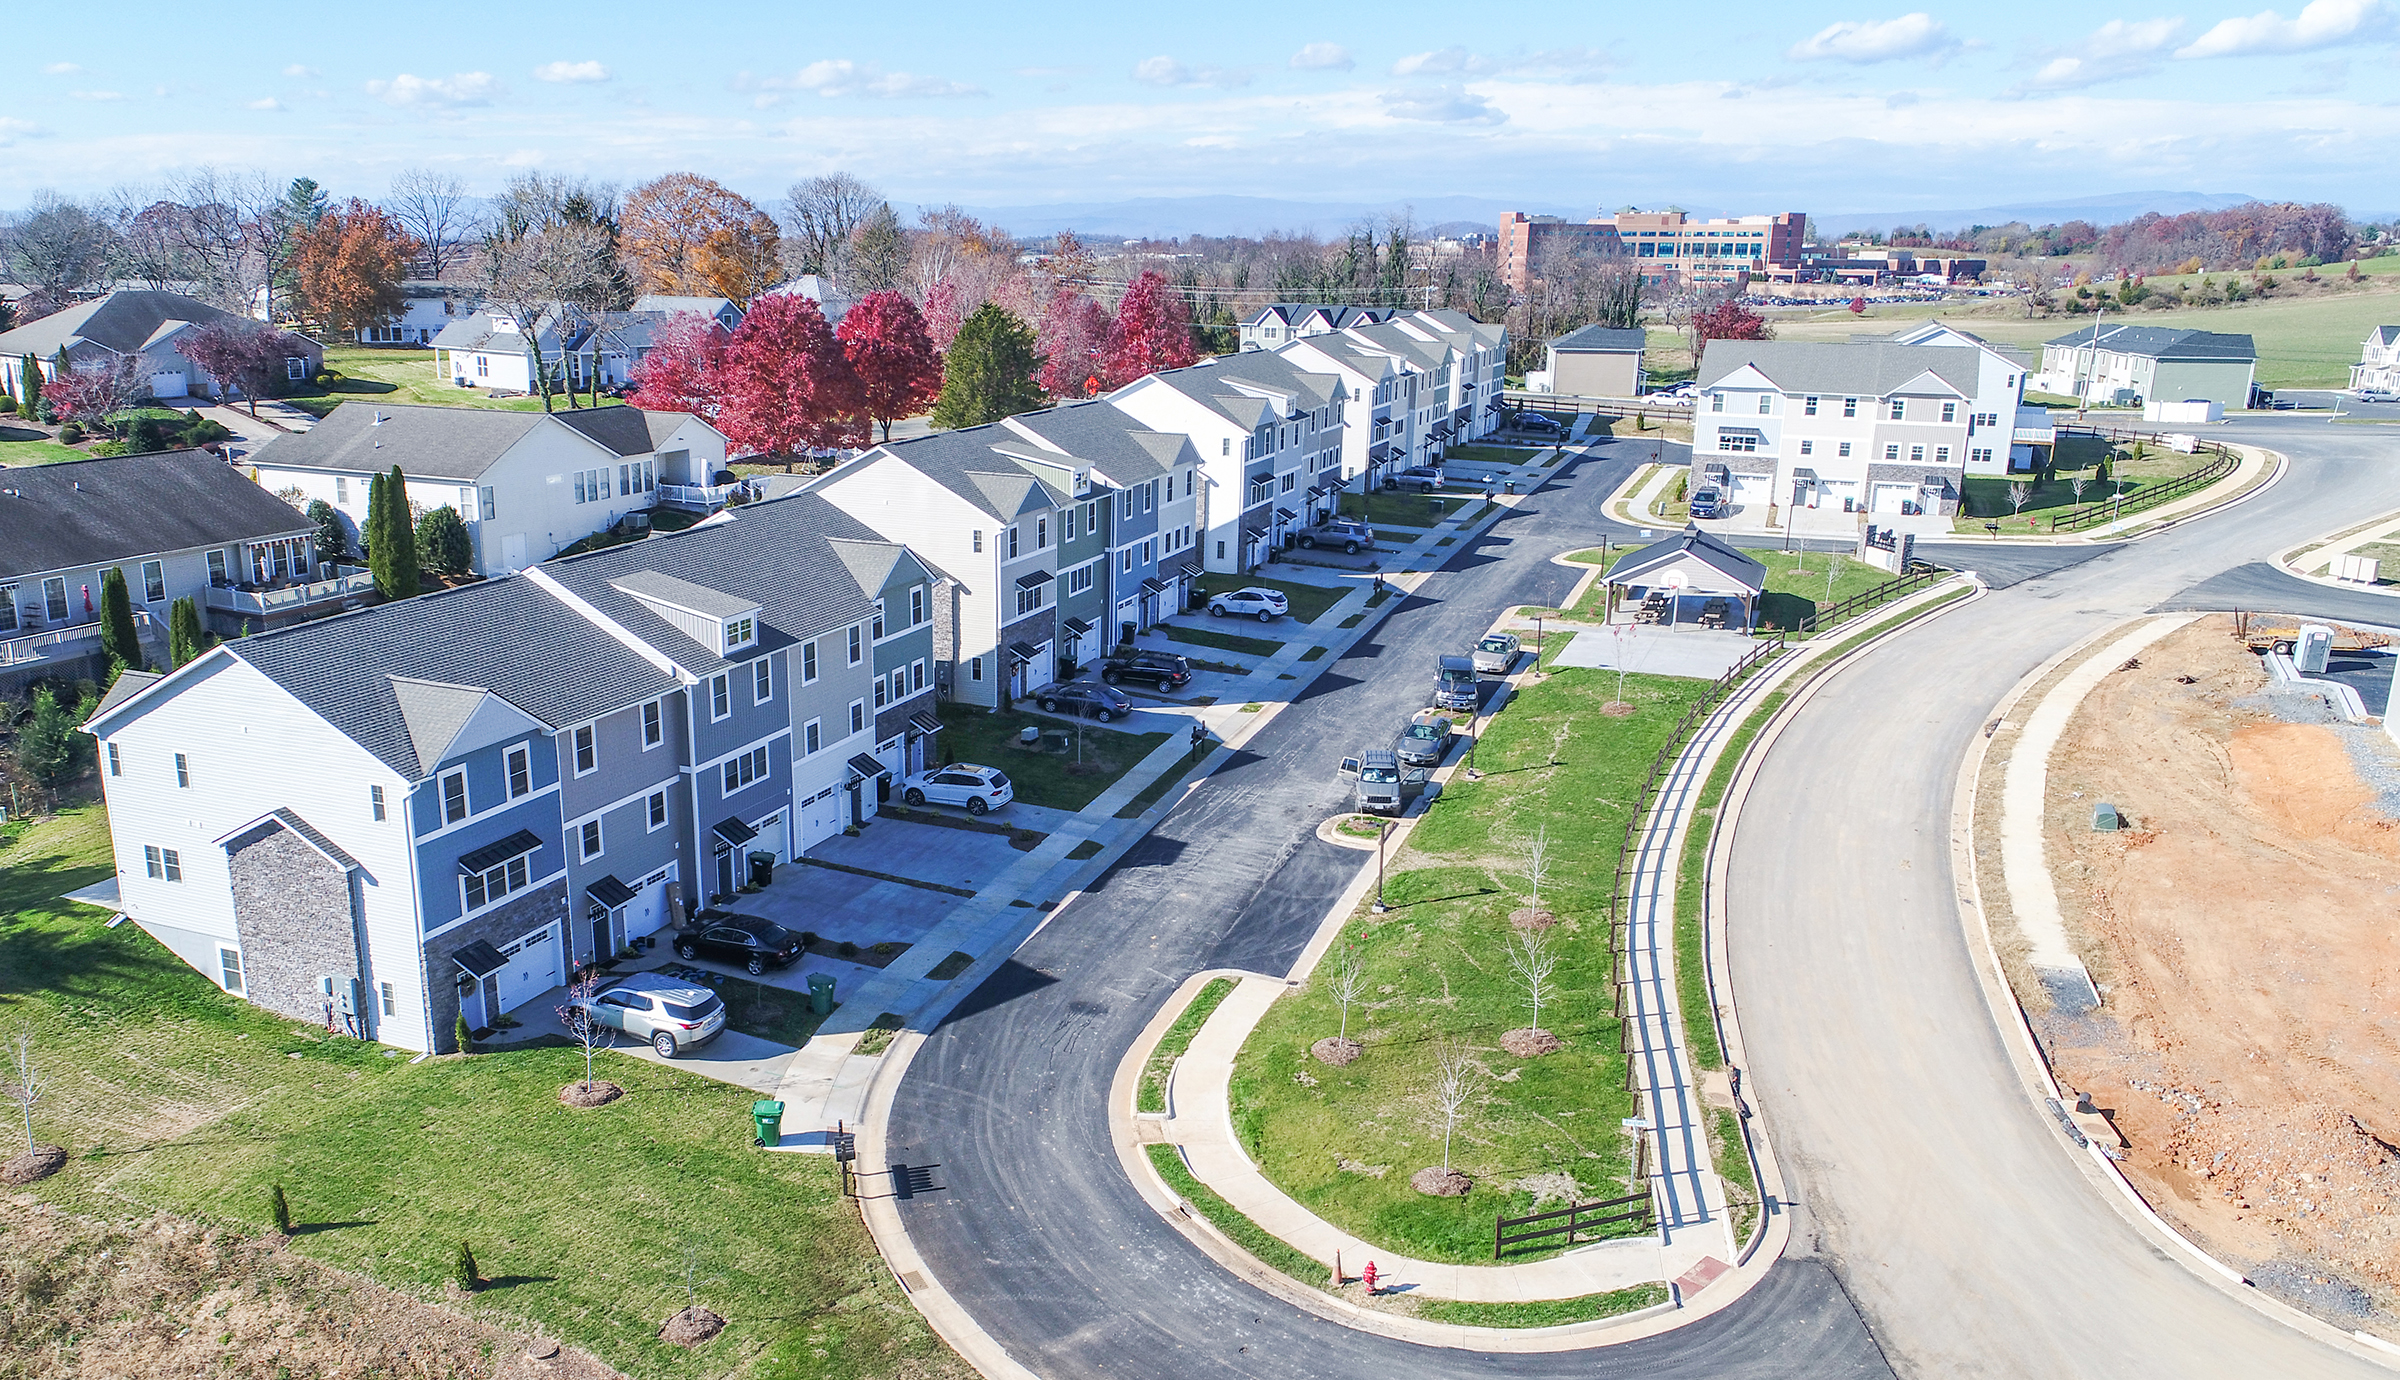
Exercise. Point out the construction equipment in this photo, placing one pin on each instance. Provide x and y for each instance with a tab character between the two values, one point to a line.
2267	633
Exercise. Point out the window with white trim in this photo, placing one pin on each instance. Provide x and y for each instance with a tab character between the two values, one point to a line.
391	999
1899	409
974	668
520	766
720	696
587	754
740	632
454	797
375	802
741	771
808	662
1849	407
1949	412
855	644
878	623
1843	450
762	680
916	605
229	964
916	676
812	737
1891	452
183	771
591	839
1808	407
657	810
154	582
163	864
654	725
1012	541
1766	403
858	712
496	883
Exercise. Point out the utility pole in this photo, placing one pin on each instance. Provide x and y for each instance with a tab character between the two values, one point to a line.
1383	829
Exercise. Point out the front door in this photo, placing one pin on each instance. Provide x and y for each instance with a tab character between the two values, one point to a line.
725	883
602	946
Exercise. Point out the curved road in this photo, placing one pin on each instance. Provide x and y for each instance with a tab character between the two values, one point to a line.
1035	1231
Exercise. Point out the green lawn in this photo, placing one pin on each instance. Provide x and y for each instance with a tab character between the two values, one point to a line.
394	374
1045	776
1435	969
1307	600
1223	642
1151	1096
174	1097
2143	466
1796	583
24	445
1492	455
1397	509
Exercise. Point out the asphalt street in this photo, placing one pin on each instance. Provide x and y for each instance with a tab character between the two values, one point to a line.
1932	1198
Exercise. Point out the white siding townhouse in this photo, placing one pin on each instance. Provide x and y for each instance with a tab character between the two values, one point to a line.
1269	435
2378	361
146	327
1278	323
1860	427
528	484
437	807
2004	436
2107	363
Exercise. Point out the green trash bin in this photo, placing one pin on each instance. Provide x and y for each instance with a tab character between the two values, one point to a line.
820	993
769	1116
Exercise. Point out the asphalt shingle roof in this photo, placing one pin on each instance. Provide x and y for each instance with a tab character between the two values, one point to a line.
508	636
2162	342
84	512
1700	546
964	463
1601	339
625	430
1115	441
122	321
1808	366
426	442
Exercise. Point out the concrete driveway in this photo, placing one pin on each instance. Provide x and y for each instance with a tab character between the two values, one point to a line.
732	1057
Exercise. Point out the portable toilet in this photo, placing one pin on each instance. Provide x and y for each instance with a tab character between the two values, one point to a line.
2314	647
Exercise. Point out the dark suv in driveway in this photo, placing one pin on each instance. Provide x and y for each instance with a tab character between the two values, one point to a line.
1165	670
755	944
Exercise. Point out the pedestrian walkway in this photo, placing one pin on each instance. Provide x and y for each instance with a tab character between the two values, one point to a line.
826	1083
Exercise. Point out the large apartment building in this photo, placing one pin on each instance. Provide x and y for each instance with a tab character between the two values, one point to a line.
436	807
1670	246
1861	427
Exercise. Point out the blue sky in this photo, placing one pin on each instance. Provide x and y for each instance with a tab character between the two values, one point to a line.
1751	107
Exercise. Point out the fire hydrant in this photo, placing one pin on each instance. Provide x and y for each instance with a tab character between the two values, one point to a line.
1367	1277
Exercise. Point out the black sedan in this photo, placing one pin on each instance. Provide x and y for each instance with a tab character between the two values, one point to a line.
745	939
1085	698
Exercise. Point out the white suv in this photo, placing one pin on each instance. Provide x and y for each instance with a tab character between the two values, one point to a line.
977	788
1266	604
668	1015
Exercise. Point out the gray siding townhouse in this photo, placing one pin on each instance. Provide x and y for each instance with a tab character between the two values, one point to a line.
1279	323
2107	363
438	807
1147	534
180	524
146	327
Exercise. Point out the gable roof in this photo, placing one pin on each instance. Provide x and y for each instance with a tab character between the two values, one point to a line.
506	636
1324	316
434	713
964	463
122	322
1867	370
1694	544
625	430
1116	443
425	442
89	512
2163	342
2385	335
1601	340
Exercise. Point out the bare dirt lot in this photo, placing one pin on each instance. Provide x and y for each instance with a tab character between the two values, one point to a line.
2243	933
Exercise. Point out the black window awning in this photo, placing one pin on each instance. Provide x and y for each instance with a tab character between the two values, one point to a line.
479	959
1492	406
923	722
493	854
1191	572
1077	626
1286	514
867	768
735	832
1804	472
1035	580
1318	491
1023	651
1265	476
1154	586
1255	533
610	892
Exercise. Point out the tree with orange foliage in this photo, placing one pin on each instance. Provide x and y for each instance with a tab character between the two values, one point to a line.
689	236
348	267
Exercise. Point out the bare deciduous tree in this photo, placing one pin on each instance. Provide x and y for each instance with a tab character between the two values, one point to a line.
225	228
536	276
1456	1080
1346	981
819	215
585	1029
2018	493
25	1085
2077	485
433	208
59	248
1532	960
1536	853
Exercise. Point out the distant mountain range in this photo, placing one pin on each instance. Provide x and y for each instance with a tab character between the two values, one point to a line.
1174	217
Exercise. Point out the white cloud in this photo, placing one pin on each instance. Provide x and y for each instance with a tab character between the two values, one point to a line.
1448	105
1874	40
300	71
1166	71
1554	63
266	103
61	69
2132	37
2118	49
11	130
572	72
1323	57
2322	24
463	88
842	77
97	95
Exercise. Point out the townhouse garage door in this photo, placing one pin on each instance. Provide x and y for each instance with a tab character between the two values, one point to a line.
1887	498
531	967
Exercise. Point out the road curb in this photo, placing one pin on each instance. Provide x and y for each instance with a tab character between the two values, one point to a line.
2281	560
2025	1050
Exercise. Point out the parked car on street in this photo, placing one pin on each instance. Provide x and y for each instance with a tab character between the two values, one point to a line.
1496	653
1422	478
977	788
1087	699
1267	604
1454	684
668	1015
2376	395
1424	742
1708	502
755	944
1376	777
1347	533
1536	423
1165	670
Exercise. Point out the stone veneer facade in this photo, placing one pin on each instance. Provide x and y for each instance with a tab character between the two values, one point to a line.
297	919
500	926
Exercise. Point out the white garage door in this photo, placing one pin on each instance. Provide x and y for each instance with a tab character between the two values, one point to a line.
532	967
821	816
1889	497
1752	488
169	385
648	908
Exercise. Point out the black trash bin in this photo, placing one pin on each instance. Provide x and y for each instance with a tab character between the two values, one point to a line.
762	869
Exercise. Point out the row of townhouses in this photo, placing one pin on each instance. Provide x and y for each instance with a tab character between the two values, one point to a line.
435	807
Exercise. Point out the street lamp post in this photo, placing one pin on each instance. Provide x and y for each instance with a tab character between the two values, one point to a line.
1383	828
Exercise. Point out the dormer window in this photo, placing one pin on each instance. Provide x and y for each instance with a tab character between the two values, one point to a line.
740	632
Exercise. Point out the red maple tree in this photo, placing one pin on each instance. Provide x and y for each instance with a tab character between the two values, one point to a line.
899	374
1153	331
784	386
1073	340
942	315
682	370
1730	321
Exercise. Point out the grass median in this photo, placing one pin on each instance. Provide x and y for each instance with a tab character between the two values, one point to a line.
173	1097
1152	1096
1308	601
1344	1140
1066	777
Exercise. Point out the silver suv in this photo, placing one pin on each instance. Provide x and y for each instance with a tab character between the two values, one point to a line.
668	1015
